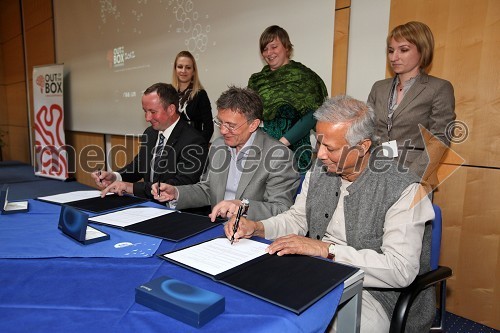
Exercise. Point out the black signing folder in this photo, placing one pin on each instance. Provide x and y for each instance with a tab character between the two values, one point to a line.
174	226
109	202
293	282
91	201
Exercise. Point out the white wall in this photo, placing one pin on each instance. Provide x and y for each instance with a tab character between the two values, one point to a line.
367	60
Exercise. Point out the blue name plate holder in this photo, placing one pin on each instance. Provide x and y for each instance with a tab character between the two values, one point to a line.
74	224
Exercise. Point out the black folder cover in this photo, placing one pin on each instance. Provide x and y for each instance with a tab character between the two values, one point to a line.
293	282
100	205
174	227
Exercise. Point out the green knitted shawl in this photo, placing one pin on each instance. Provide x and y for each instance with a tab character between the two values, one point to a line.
293	84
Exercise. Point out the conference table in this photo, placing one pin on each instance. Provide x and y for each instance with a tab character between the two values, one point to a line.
45	289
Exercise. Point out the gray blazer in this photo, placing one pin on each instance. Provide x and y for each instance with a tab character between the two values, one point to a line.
269	180
429	102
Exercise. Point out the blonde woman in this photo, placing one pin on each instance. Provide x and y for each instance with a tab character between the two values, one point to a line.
194	105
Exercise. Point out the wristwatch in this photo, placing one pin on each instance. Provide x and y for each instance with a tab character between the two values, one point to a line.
331	251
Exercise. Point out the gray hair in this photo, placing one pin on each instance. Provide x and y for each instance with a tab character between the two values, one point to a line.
243	100
345	109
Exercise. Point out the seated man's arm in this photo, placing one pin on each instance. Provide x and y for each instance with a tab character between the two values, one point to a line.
195	195
399	263
280	188
291	222
190	161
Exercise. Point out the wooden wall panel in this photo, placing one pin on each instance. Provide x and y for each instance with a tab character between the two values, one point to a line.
16	104
40	45
471	242
123	150
339	4
13	60
2	71
10	19
340	51
17	144
467	53
88	156
36	12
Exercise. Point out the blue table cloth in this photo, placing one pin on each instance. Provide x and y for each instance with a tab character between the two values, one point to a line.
92	293
35	235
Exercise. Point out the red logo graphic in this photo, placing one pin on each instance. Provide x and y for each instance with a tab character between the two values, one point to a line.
40	81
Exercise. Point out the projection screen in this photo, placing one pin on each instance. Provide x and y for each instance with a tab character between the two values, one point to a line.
112	50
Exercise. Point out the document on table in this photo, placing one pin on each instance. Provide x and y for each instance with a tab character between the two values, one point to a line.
130	216
218	255
71	196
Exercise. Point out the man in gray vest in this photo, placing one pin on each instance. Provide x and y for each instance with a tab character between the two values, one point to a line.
358	208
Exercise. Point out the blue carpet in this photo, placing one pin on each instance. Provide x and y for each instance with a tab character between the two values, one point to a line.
455	324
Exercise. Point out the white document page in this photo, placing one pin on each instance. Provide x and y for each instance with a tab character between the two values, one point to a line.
72	196
218	255
130	216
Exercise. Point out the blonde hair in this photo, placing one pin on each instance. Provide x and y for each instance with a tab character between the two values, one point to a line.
197	86
420	35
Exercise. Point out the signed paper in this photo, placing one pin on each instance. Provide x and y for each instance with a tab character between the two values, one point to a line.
218	255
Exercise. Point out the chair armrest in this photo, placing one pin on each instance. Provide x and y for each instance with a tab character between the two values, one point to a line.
408	295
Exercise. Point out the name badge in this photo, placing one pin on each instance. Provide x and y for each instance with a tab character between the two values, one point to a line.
390	149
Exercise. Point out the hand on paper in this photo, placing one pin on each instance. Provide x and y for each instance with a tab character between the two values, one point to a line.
103	178
294	244
246	228
167	192
119	188
225	209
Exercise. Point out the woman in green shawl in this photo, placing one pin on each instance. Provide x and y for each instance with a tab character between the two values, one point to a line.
291	93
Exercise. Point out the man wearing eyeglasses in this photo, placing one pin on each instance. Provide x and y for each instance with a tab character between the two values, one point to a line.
243	163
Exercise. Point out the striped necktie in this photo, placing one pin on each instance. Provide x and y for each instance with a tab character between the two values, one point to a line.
157	155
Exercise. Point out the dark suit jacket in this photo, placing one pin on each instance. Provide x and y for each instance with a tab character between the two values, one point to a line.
429	102
181	162
200	115
269	179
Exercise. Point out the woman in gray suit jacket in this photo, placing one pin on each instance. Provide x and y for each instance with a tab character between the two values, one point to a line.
413	99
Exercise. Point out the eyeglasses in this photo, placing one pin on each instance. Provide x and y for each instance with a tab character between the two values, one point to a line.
230	128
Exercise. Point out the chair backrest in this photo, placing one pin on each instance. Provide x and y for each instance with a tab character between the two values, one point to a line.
436	237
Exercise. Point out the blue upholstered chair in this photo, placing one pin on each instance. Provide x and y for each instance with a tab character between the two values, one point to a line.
437	274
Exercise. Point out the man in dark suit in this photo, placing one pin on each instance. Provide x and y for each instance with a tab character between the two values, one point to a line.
171	151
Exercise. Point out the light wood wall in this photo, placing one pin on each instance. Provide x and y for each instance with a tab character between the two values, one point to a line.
13	105
467	53
340	47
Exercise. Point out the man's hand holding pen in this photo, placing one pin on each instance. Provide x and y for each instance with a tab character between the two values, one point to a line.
245	228
163	192
103	178
242	211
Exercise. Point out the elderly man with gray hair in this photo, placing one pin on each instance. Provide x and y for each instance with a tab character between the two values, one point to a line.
358	208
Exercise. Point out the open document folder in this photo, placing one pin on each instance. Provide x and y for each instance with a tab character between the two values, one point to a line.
293	282
158	222
91	200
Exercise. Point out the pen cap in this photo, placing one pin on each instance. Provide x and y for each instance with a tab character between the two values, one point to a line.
245	203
